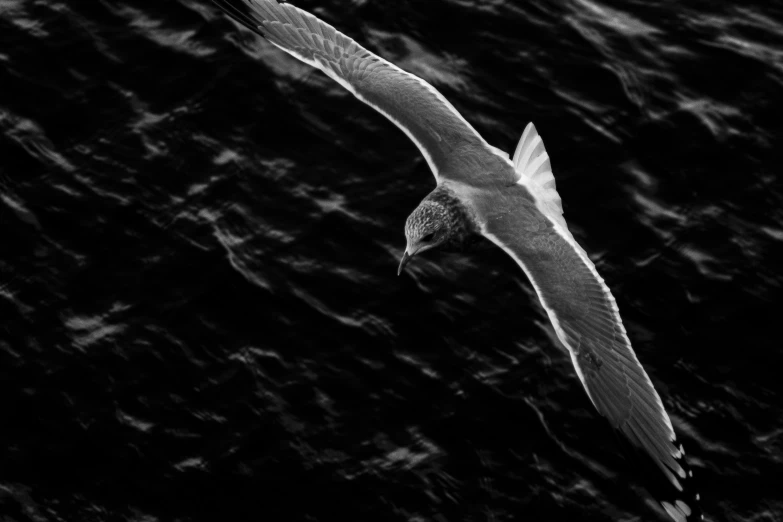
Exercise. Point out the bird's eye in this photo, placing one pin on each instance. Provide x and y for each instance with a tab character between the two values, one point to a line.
428	237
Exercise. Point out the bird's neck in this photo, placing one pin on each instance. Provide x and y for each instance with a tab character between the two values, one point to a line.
460	225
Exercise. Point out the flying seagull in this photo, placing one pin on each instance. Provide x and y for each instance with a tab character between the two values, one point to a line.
510	200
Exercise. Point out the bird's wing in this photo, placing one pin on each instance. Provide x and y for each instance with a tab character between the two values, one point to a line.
412	104
525	221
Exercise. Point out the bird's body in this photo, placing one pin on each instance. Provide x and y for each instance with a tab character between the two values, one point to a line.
483	193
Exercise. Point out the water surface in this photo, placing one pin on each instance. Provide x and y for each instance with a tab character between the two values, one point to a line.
201	318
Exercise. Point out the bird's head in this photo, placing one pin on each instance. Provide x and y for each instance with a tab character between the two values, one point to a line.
427	227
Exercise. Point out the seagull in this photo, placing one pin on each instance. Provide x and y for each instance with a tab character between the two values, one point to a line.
511	201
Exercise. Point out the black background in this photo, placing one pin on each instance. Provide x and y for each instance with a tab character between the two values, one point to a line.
199	314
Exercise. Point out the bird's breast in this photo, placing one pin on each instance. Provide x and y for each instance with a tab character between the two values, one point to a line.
468	242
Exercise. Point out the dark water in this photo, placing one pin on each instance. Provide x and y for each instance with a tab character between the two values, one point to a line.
199	314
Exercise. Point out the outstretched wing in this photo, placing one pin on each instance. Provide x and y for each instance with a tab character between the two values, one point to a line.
411	103
586	320
526	221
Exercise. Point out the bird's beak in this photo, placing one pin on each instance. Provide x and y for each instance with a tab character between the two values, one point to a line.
406	257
